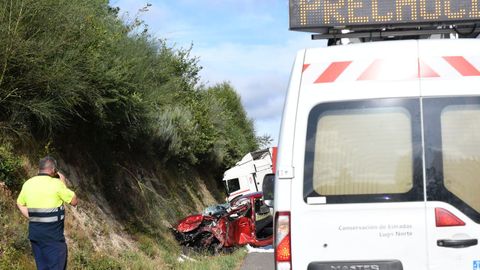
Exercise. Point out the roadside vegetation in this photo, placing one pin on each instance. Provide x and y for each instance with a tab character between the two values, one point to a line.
142	140
72	71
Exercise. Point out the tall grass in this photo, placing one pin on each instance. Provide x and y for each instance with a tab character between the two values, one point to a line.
14	245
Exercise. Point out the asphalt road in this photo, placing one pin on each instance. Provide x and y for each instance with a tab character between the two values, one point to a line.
258	261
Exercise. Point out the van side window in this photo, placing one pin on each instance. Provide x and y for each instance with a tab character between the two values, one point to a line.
363	151
452	157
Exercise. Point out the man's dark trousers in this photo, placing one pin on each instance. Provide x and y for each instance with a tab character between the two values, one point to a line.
50	255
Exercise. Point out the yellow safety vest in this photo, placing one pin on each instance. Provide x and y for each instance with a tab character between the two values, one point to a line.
44	197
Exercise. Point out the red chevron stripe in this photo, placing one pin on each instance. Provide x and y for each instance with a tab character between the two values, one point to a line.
389	69
464	67
332	72
305	66
372	71
425	71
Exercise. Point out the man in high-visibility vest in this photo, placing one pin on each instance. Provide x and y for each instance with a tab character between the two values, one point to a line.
41	201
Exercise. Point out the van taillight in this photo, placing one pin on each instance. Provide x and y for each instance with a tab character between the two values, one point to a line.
283	250
444	218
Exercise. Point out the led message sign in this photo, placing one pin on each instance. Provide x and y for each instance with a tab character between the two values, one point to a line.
311	14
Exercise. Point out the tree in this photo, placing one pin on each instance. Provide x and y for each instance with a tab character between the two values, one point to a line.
264	141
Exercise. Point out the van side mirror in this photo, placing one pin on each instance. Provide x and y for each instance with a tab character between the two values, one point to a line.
268	188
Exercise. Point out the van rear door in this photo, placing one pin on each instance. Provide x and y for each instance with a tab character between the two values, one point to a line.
453	169
451	107
358	189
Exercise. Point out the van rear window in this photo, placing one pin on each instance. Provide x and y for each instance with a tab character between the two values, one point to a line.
461	152
363	151
452	156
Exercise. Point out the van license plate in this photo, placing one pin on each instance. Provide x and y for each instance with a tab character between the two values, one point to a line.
356	265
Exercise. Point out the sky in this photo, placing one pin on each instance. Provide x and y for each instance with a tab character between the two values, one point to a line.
244	42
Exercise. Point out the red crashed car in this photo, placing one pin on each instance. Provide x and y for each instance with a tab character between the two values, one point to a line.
245	220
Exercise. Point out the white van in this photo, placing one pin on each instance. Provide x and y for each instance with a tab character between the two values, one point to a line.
379	158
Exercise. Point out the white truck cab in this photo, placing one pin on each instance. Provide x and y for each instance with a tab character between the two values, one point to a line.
379	156
248	174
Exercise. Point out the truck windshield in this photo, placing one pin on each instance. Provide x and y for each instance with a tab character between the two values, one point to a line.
232	185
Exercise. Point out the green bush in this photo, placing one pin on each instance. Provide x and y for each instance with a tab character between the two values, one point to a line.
73	71
10	168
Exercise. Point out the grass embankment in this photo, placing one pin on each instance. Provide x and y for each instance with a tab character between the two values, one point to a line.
139	136
99	240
